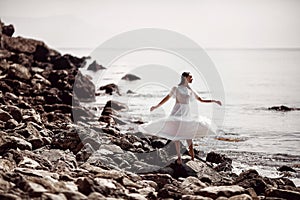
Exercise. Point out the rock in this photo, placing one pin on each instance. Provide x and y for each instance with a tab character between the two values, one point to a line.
195	197
159	142
50	196
19	72
12	142
118	106
74	195
22	45
4	116
190	184
77	62
284	194
67	139
8	30
286	168
84	88
95	196
135	196
113	148
41	53
159	179
169	191
282	108
11	124
193	168
94	66
62	62
251	179
6	165
130	92
240	197
28	163
110	88
14	111
130	77
216	191
104	186
217	158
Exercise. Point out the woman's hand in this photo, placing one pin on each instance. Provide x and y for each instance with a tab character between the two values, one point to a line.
218	102
153	107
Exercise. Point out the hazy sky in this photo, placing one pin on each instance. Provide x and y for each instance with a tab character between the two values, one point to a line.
211	23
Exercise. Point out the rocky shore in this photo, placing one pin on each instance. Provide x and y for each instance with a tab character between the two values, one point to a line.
53	148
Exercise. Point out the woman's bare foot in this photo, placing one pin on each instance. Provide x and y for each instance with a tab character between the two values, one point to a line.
191	152
178	161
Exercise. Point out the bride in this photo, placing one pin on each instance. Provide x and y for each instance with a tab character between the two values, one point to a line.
180	125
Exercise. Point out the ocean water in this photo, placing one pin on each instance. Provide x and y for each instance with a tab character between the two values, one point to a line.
253	80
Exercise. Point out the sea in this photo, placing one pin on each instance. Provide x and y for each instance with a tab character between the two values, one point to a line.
252	81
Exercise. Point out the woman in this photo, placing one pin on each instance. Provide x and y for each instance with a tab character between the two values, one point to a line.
179	124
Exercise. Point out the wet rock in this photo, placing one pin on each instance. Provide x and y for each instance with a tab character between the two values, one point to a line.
118	106
251	179
159	142
130	92
94	66
286	168
282	108
130	77
217	158
110	88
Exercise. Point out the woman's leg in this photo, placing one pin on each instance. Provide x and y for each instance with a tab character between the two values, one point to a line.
177	146
191	148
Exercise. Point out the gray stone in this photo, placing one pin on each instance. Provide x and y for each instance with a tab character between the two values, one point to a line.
241	197
216	191
5	116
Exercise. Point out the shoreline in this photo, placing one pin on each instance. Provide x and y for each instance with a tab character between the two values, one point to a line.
53	148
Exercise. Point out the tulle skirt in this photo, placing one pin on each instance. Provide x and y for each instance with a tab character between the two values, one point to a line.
179	125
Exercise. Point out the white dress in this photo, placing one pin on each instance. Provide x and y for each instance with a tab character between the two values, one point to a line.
179	124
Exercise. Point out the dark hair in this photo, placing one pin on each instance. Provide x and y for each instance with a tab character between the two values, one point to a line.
183	76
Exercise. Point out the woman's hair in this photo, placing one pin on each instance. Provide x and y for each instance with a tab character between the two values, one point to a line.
183	76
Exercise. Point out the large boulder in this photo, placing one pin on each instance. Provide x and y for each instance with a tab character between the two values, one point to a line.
94	66
84	88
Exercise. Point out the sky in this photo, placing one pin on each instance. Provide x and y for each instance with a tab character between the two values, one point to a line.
210	23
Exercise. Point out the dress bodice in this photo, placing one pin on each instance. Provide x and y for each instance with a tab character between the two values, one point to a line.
182	94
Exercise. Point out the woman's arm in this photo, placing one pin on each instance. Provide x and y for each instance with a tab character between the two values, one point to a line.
206	101
166	98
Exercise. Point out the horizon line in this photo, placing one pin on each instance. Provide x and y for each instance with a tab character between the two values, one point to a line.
212	48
